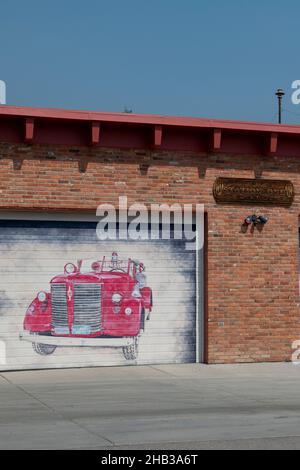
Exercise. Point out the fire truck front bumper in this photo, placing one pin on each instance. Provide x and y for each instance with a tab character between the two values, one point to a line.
71	341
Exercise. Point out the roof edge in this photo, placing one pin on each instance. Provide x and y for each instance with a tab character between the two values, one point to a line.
146	119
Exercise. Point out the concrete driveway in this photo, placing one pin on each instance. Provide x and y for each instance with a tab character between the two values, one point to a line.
162	407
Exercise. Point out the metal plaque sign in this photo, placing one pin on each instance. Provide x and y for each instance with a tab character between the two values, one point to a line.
253	191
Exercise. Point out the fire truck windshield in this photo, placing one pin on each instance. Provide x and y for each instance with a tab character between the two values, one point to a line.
92	265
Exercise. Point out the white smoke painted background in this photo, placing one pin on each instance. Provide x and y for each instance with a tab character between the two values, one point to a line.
31	256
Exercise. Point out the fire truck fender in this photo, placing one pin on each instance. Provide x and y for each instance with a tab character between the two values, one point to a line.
38	315
147	298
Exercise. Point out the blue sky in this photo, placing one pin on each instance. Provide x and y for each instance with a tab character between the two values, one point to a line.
205	58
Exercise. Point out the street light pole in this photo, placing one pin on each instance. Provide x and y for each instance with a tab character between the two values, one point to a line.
279	93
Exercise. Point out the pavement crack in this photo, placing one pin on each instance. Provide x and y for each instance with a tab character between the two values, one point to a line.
157	369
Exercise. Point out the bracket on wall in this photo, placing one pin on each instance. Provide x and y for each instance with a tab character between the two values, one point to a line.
144	167
82	164
202	170
157	136
272	143
95	132
216	140
29	130
17	163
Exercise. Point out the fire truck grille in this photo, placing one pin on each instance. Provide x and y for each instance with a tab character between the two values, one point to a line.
59	308
87	308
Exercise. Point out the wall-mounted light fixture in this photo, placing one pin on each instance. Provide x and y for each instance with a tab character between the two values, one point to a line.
248	220
255	221
262	219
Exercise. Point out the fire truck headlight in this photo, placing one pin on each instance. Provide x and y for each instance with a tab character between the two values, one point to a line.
31	309
96	266
70	268
116	298
128	311
42	296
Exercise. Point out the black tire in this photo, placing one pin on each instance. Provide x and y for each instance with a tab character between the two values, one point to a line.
143	319
151	301
131	352
43	349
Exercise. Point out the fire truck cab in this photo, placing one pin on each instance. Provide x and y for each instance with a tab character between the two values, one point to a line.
104	303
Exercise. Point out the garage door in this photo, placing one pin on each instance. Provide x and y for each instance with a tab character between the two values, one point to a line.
70	300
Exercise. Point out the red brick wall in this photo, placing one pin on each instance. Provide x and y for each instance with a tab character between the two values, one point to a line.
253	286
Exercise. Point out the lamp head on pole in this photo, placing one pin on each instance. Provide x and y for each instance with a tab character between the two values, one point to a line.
279	93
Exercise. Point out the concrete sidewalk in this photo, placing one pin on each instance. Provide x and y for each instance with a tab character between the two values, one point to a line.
161	407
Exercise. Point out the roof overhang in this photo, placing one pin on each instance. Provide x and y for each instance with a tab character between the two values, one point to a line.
140	131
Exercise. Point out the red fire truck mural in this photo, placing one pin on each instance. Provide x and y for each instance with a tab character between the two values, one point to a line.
104	305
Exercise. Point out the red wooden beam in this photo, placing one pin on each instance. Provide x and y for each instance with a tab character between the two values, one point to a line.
157	136
29	129
95	137
273	143
216	140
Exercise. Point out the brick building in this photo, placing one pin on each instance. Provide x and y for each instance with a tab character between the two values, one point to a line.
57	166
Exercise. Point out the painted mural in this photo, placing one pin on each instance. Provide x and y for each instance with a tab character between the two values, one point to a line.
68	299
107	303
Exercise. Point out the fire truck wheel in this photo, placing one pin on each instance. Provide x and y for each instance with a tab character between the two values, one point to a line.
43	349
131	352
143	318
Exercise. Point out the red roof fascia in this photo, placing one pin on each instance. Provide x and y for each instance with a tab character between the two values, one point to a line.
126	130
